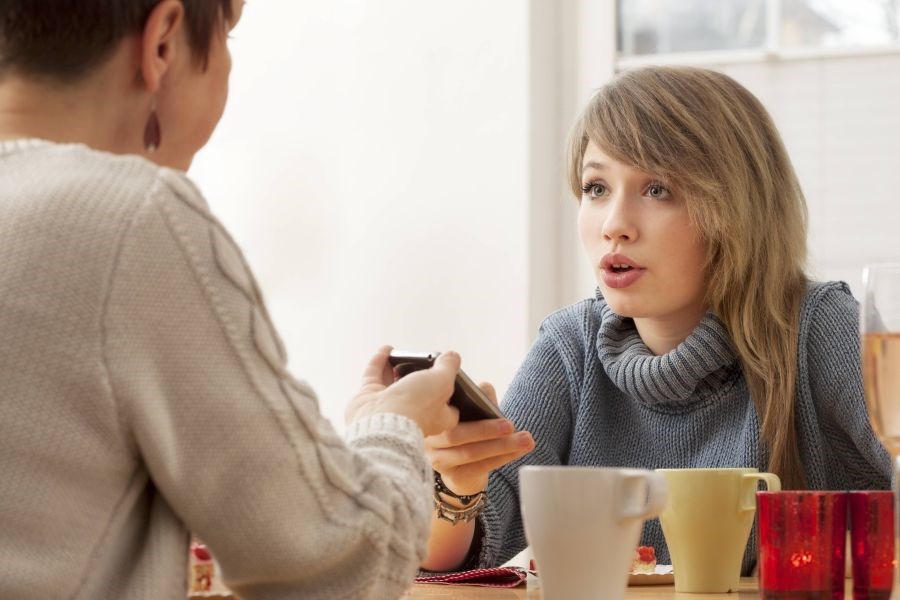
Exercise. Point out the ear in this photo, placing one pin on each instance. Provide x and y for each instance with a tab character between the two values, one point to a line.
159	42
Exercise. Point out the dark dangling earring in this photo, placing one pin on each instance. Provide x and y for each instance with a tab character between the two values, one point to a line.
152	133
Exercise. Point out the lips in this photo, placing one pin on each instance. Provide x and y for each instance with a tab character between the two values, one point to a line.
619	271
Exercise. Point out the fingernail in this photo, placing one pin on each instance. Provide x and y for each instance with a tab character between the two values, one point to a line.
506	427
523	439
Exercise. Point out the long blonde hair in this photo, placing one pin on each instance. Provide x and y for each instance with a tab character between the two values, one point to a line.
716	144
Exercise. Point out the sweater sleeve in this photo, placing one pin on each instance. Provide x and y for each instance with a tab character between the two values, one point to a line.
235	444
538	400
835	380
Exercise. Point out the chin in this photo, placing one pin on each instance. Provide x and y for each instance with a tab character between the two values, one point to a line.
624	304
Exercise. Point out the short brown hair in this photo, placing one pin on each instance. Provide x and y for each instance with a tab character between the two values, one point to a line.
64	39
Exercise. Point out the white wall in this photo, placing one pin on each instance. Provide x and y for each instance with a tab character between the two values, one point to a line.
394	170
374	164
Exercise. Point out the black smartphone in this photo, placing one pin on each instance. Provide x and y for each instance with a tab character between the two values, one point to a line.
467	397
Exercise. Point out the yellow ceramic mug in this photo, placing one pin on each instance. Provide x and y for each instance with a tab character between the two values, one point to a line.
707	523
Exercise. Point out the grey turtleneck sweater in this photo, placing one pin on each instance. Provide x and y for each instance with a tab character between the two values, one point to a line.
592	393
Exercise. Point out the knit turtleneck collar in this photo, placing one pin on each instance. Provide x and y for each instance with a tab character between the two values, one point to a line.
694	370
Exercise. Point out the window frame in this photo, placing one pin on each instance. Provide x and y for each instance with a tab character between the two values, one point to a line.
771	51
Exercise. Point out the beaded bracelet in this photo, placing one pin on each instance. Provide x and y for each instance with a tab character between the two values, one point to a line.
473	504
440	486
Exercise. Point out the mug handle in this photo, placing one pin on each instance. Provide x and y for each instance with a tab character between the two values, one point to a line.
657	493
773	484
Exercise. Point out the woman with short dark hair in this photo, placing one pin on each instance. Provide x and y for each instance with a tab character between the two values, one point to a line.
143	389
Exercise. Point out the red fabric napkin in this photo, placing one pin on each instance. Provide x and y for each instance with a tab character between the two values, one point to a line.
501	577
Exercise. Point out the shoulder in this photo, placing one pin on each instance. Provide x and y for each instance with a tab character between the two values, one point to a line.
77	172
567	337
177	188
578	320
174	238
103	189
131	176
828	341
156	205
828	295
176	211
829	310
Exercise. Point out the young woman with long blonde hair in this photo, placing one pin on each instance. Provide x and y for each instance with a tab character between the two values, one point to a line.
706	344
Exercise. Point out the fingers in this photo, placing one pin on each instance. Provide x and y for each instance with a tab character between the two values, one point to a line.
472	431
378	371
489	464
489	391
444	459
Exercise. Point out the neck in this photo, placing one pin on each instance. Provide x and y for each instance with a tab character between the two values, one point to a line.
97	111
662	335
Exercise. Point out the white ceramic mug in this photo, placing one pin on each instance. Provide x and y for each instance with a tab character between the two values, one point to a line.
583	524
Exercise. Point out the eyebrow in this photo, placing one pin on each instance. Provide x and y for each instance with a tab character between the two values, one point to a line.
593	165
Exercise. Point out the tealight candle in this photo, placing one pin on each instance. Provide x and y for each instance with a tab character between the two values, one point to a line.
801	544
872	544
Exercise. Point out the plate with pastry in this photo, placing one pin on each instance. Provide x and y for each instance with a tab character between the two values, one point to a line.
645	571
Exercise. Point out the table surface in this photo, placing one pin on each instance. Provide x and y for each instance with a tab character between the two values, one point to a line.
424	591
421	591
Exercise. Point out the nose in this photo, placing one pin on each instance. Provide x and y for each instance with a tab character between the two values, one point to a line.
619	223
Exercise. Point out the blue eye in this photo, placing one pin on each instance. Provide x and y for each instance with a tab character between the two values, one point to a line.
594	190
657	191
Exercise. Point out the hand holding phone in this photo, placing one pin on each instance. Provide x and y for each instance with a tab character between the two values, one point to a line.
467	397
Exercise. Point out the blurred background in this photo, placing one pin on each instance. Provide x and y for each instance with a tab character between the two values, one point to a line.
393	169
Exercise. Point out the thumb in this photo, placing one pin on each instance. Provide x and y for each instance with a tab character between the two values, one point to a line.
378	370
448	362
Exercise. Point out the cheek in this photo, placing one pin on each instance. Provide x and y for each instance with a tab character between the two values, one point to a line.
689	255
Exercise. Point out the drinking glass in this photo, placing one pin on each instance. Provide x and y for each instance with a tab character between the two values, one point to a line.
880	331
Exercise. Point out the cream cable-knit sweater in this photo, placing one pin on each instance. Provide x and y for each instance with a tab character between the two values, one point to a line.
143	395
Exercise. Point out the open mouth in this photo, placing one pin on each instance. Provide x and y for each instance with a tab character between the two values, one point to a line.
621	268
620	271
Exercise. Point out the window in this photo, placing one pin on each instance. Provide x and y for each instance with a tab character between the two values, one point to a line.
838	23
674	26
754	28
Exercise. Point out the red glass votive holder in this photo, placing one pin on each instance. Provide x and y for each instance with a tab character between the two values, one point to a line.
872	544
802	535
